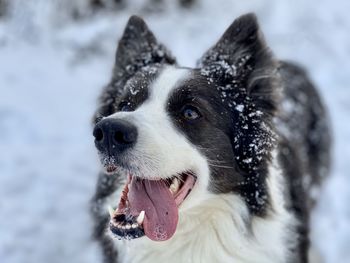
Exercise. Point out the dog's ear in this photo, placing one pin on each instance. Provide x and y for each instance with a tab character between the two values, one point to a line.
137	49
241	61
243	70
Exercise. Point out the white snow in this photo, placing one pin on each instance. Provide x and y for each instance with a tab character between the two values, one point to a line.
51	72
239	107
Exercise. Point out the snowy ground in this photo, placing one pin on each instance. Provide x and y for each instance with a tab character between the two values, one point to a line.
51	72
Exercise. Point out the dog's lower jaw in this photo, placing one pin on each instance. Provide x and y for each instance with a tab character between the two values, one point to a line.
221	230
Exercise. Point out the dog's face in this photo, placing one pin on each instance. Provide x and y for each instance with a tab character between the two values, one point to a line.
180	135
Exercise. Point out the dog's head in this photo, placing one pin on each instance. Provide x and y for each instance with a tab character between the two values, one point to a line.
181	135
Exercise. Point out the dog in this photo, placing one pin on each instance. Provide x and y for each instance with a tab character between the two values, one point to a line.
219	163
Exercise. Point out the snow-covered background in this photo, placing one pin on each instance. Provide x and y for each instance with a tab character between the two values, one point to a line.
52	69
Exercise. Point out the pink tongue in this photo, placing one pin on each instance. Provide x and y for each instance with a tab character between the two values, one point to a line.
159	205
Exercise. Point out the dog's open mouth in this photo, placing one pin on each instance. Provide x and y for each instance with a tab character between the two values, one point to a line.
150	207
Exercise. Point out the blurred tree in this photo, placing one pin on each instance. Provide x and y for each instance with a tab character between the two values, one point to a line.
187	3
149	5
106	4
83	9
3	7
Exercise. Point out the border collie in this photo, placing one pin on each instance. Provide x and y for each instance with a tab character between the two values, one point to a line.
217	163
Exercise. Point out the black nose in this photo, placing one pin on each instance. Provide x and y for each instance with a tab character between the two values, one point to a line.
114	136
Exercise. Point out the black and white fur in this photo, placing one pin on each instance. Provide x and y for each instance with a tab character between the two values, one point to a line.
259	150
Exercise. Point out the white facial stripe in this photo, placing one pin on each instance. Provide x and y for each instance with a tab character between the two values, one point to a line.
159	92
165	84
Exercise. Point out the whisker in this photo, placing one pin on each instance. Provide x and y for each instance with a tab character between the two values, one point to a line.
216	161
221	166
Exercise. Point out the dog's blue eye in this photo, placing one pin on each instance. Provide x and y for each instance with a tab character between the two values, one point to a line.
191	113
125	106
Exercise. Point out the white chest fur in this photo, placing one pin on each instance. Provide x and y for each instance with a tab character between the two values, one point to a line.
215	235
220	230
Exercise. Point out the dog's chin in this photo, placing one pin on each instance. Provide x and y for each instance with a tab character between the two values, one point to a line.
149	207
112	165
111	169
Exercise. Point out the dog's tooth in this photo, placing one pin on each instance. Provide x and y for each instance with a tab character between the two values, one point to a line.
177	182
134	225
174	187
128	226
123	227
141	217
110	211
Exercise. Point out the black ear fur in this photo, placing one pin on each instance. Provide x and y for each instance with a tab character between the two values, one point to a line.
241	60
243	70
137	49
